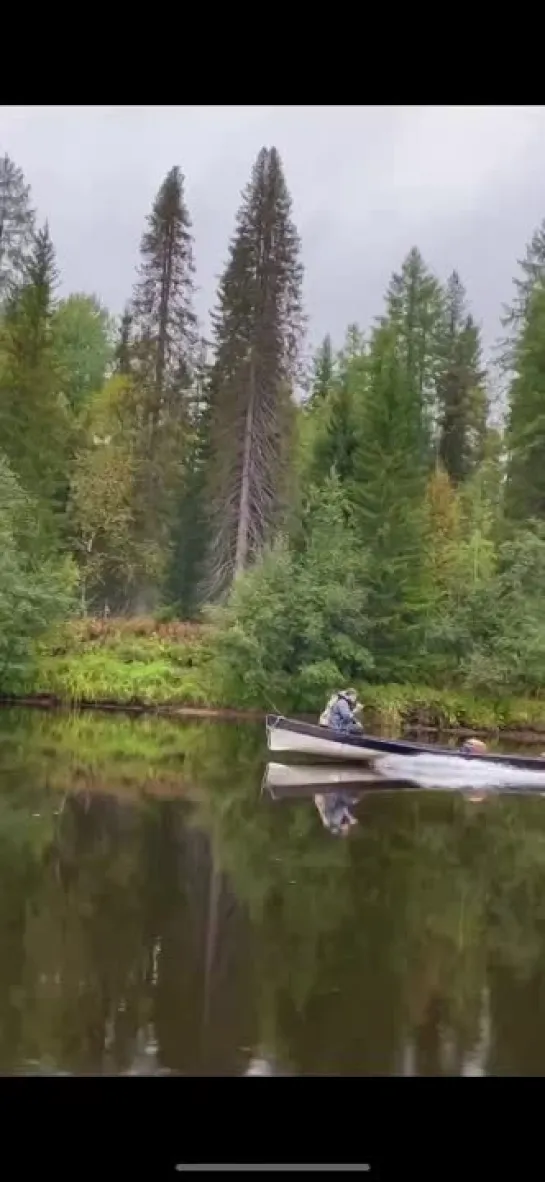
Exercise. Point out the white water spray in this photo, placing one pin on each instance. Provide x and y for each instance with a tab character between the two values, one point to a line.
445	772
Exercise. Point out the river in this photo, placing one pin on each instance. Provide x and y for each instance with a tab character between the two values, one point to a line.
159	916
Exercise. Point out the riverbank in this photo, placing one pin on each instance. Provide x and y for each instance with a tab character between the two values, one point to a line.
168	668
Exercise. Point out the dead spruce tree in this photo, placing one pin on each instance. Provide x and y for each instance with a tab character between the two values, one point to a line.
258	327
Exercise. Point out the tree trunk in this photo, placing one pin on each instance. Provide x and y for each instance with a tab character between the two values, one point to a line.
243	526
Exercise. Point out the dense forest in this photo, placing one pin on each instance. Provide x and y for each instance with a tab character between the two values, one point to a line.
375	515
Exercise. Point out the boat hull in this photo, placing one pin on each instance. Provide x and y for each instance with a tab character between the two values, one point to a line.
314	745
289	736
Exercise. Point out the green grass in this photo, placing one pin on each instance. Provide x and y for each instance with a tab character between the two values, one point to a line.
149	664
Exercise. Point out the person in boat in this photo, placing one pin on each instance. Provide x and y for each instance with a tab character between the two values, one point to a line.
340	712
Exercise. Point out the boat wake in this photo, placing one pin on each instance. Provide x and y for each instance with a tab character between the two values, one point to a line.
444	772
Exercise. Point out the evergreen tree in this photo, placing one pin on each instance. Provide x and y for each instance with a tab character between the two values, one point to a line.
31	406
532	275
323	371
257	329
163	321
16	225
389	482
337	415
461	399
161	360
414	307
122	356
190	532
525	437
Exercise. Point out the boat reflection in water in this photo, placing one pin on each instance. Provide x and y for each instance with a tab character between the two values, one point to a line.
265	1064
335	791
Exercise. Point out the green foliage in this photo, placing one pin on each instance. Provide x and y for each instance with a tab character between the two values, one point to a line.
388	487
33	592
461	397
291	630
32	409
385	529
525	486
82	334
16	226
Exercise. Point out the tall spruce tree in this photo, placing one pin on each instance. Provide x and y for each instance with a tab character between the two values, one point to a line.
462	404
525	436
258	327
161	358
31	407
16	226
414	307
163	320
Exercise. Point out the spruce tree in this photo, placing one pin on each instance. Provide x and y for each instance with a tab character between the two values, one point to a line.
532	268
525	436
122	355
161	359
335	435
461	398
190	531
414	307
163	320
257	336
323	371
389	481
31	407
16	226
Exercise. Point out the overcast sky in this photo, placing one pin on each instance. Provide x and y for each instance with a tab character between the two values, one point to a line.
465	184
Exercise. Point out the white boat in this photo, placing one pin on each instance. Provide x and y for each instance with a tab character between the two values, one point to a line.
283	735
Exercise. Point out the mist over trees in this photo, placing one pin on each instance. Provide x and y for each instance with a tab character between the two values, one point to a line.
363	515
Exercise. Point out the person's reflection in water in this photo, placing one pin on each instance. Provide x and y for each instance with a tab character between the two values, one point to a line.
475	747
334	810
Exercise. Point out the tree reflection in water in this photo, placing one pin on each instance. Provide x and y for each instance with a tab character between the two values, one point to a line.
228	935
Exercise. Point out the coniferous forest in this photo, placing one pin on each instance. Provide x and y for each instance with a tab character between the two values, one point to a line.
231	522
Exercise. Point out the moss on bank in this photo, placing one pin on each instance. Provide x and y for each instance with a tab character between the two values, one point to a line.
170	666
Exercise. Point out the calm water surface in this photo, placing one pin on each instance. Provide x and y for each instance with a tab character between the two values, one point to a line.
158	915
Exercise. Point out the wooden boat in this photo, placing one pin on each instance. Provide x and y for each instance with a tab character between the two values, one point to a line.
283	780
290	736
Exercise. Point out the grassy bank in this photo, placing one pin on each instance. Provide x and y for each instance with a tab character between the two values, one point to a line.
170	667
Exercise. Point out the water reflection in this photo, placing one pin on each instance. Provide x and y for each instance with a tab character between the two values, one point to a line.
223	933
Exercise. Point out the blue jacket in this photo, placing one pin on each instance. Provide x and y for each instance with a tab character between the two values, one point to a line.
342	717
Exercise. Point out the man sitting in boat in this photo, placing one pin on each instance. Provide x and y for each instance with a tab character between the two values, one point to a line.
340	712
